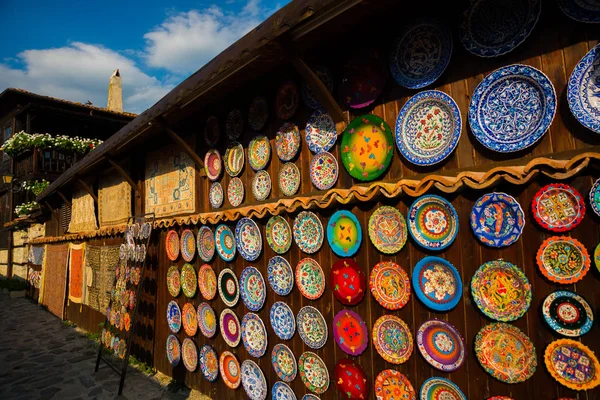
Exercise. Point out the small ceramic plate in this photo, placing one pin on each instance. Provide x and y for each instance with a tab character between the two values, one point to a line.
310	278
289	179
215	195
229	366
281	276
209	362
320	131
387	230
248	239
286	100
279	234
308	232
558	207
344	233
213	164
391	384
173	281
230	327
347	281
587	12
287	141
313	372
282	391
207	320
351	380
441	345
308	96
501	290
173	316
189	280
252	288
234	159
582	92
188	245
392	339
173	350
363	78
440	388
259	152
254	335
205	242
572	364
284	362
189	319
432	222
212	133
563	259
235	192
189	354
234	124
282	320
258	113
207	282
261	185
350	332
437	283
568	313
172	245
324	170
253	381
497	219
228	287
225	242
595	197
312	327
390	285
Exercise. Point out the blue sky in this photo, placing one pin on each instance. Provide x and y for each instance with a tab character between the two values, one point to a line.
68	49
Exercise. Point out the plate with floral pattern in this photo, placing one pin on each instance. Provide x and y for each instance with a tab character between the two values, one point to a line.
390	285
308	96
497	219
261	185
363	78
350	332
440	388
207	282
279	234
229	366
205	242
284	362
595	197
188	245
286	100
312	327
189	280
568	313
172	245
258	113
572	364
441	345
234	124
344	233
558	207
387	230
392	339
259	152
432	222
230	327
320	132
287	141
234	159
281	275
189	319
189	353
235	192
173	280
437	283
248	239
324	170
582	91
308	232
229	290
282	391
209	362
501	290
581	11
563	259
254	335
289	179
313	372
215	195
207	320
173	316
225	242
597	256
282	320
252	288
173	350
310	278
391	384
253	381
347	281
212	133
213	164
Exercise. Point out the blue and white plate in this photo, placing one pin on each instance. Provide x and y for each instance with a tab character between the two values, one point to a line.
253	381
280	275
312	327
587	11
497	219
208	361
437	283
308	97
421	54
490	28
254	335
320	132
595	197
252	288
282	391
225	242
284	362
173	316
248	239
512	108
583	91
282	320
310	396
428	127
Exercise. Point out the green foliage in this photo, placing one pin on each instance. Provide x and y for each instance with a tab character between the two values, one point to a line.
26	208
23	141
37	187
68	323
141	366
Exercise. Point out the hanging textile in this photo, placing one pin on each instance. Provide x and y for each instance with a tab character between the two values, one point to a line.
54	278
83	212
114	200
93	276
36	255
76	272
100	265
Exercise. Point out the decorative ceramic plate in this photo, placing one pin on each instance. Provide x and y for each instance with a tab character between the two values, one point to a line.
568	313
207	320
439	388
421	54
173	316
347	281
320	132
324	170
310	278
189	280
351	380
189	354
173	350
230	327
173	281
213	165
189	319
209	362
512	20
228	287
364	78
234	124
212	133
505	352
308	96
261	185
595	197
581	11
367	147
252	288
287	141
229	366
583	88
563	259
215	195
281	276
387	230
205	242
392	339
172	245
391	385
188	245
428	128
512	108
258	113
284	362
597	257
207	282
248	239
282	391
390	285
312	327
501	290
279	234
572	364
441	345
497	219
259	152
432	222
254	335
234	159
313	372
286	100
558	207
235	192
289	179
225	242
253	381
344	233
282	320
308	232
437	283
349	332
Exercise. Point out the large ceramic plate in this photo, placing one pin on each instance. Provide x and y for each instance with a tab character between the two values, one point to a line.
189	280
313	372
563	259
216	195
284	362
428	128
392	339
281	275
391	384
572	364
253	381
505	352
248	239
308	232
597	257
501	290
225	242
350	332
583	89
312	327
320	131
390	285
286	100
173	316
512	108
497	219
282	391
363	78
437	283
289	179
344	233
207	282
310	278
441	345
439	388
258	113
234	159
261	185
207	320
229	366
595	197
254	335
387	230
235	192
230	327
568	313
587	11
287	141
512	22
279	234
308	97
351	380
205	241
323	170
189	353
347	281
189	319
188	245
228	287
234	124
173	281
432	222
173	350
252	288
259	152
282	320
213	164
172	245
212	133
367	147
558	207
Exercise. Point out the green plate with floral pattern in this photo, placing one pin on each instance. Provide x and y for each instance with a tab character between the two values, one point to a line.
279	234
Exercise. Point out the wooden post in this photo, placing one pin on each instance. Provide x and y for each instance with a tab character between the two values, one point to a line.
182	144
88	189
64	198
124	175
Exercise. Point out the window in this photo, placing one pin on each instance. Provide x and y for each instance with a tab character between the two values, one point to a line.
7	134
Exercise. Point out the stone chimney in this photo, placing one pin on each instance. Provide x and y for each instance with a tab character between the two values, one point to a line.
115	92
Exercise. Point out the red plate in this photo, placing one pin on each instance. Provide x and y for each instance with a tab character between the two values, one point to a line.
558	207
351	380
348	281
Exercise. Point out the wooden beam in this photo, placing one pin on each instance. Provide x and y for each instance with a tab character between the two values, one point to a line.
124	174
182	144
88	189
62	196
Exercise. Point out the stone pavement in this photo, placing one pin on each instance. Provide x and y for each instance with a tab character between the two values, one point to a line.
42	358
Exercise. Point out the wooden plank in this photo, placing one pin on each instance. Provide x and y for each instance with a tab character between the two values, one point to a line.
64	199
